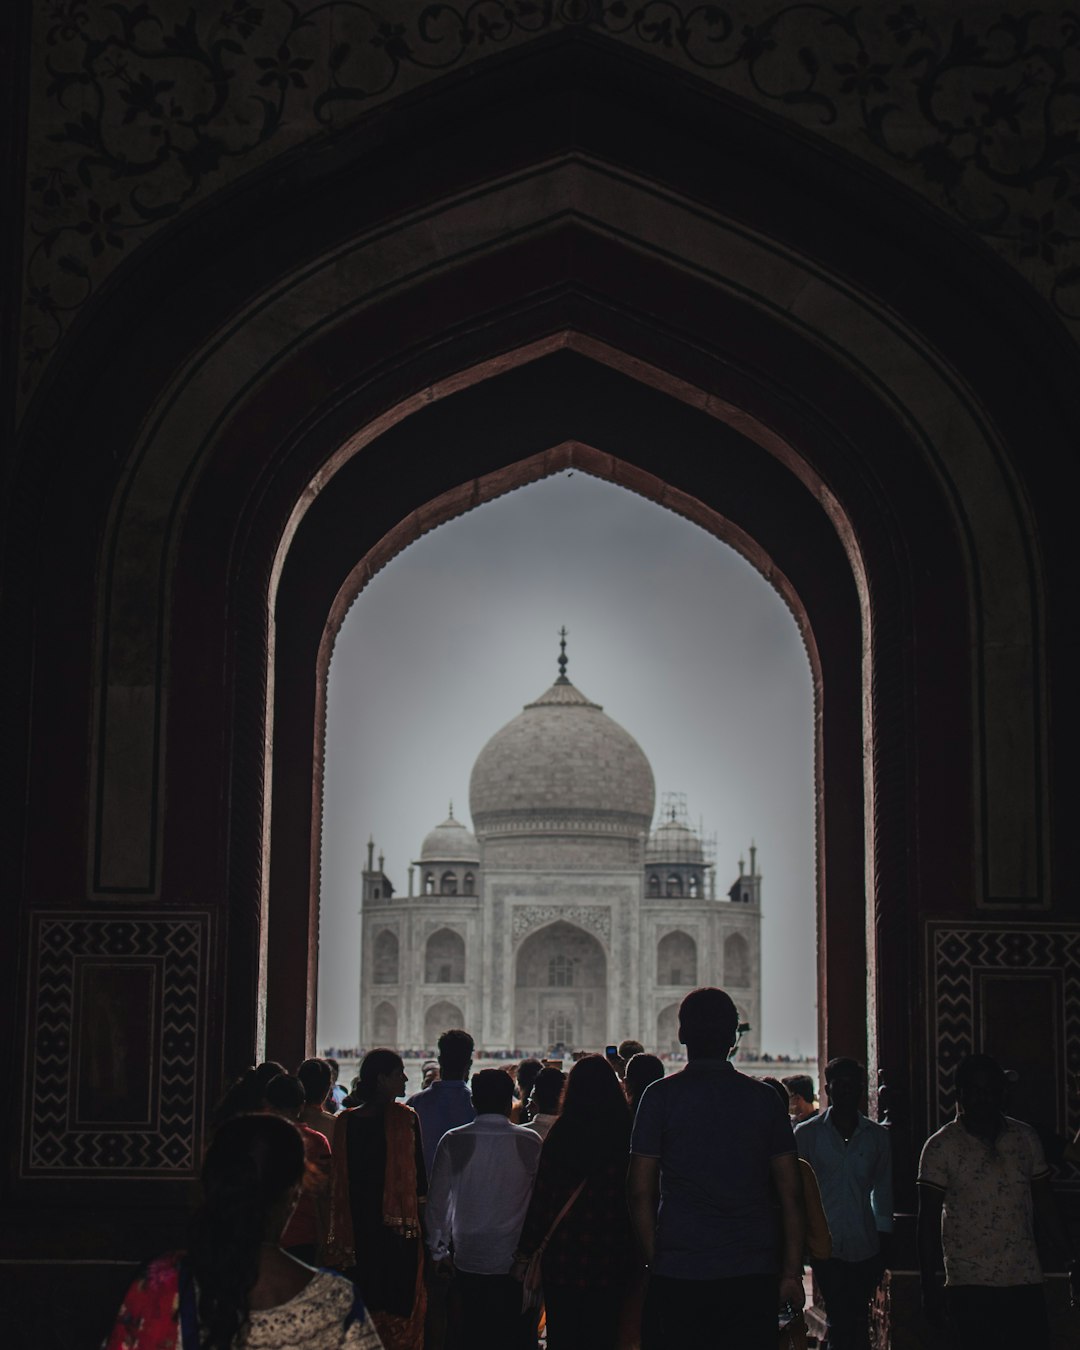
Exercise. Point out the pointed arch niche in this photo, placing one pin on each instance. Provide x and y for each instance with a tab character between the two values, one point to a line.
721	368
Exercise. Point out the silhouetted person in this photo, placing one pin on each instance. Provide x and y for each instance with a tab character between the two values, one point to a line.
317	1078
818	1237
712	1157
589	1264
445	1103
234	1285
378	1178
481	1182
983	1180
641	1070
800	1090
852	1160
527	1071
306	1230
545	1099
336	1096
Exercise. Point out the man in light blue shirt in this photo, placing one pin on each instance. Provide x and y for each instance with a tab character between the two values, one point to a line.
852	1160
446	1103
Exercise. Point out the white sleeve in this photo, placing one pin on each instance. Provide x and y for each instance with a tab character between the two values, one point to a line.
439	1208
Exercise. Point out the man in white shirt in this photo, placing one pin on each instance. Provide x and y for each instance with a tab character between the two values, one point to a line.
983	1179
852	1159
480	1187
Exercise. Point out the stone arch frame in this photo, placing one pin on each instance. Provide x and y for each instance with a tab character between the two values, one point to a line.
449	1015
384	1023
572	991
737	948
457	949
385	946
967	345
664	943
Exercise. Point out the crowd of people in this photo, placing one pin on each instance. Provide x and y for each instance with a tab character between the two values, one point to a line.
612	1205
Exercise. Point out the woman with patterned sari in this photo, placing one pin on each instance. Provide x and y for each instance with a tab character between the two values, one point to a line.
378	1181
234	1285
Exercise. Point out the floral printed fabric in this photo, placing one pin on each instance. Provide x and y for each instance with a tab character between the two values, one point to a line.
148	1316
987	1230
325	1313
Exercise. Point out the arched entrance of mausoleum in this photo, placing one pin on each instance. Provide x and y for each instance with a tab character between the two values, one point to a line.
560	989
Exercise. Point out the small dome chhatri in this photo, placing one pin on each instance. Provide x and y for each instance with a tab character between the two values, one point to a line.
674	842
450	842
562	759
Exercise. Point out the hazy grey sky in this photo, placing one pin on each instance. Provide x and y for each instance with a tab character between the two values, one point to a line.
683	643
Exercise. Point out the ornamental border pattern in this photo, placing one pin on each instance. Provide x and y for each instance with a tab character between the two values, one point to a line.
53	1145
956	953
137	108
594	919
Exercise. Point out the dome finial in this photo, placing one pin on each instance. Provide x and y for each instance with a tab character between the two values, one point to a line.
562	657
451	808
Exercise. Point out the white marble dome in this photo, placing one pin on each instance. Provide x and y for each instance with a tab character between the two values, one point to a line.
562	762
450	842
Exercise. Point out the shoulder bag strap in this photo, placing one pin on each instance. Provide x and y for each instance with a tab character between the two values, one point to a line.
561	1215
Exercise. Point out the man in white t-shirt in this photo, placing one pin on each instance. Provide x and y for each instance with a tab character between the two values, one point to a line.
983	1179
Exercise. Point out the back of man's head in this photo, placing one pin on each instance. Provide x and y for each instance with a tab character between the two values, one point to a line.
455	1054
547	1091
526	1076
317	1078
641	1070
708	1023
285	1095
492	1092
629	1048
800	1085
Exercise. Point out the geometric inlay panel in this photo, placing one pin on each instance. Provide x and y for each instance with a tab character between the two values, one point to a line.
968	965
114	1035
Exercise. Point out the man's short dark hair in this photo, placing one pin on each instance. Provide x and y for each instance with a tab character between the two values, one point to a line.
547	1091
800	1085
526	1075
492	1091
317	1078
777	1085
455	1050
709	1018
843	1066
971	1065
629	1048
285	1093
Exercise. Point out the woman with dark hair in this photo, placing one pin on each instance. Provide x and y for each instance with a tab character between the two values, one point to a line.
305	1232
246	1094
317	1078
641	1070
235	1286
378	1180
589	1263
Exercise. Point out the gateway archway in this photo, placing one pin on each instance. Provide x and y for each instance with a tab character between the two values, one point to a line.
560	989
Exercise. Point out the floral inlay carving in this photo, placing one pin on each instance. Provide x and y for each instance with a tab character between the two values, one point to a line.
140	109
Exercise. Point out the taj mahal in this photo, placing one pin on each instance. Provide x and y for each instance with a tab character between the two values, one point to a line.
566	918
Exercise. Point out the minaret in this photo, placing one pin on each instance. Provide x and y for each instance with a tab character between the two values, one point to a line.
377	886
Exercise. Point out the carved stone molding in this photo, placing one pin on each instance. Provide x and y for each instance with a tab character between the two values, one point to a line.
114	1045
961	958
140	110
593	918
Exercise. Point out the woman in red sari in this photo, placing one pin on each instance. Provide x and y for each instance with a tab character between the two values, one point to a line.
378	1181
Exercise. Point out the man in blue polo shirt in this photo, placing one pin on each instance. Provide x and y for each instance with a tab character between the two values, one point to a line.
711	1154
852	1161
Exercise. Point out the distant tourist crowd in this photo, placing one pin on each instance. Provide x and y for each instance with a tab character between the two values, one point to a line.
595	1203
